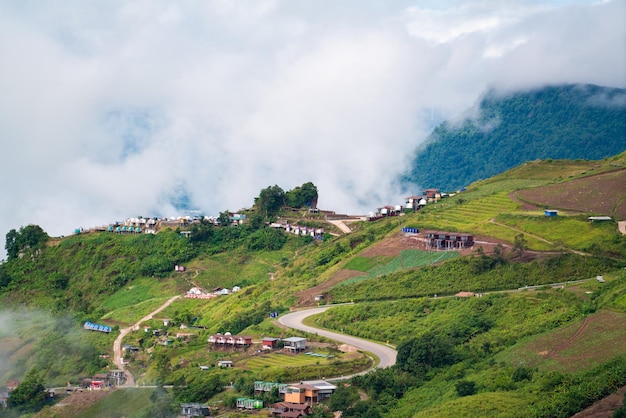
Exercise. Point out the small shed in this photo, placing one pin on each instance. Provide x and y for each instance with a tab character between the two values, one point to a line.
225	363
551	212
269	343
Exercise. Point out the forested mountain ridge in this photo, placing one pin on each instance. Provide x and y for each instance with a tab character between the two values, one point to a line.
501	132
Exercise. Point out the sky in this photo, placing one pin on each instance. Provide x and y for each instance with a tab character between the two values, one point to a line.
118	109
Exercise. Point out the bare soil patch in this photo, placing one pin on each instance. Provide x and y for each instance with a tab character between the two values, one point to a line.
307	297
393	245
603	194
604	407
74	404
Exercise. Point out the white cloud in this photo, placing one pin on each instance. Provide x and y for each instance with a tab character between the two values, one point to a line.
108	108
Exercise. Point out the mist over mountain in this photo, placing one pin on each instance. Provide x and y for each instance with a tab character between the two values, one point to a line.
504	130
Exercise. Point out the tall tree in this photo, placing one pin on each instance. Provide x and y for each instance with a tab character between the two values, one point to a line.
29	395
270	200
520	244
28	237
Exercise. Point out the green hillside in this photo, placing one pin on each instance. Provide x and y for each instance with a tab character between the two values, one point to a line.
502	354
559	122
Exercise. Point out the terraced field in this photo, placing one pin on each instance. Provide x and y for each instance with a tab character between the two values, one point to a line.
406	260
469	216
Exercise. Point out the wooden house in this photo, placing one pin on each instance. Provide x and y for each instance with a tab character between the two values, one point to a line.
269	343
290	410
432	195
194	410
309	393
248	403
12	384
449	240
263	387
228	340
415	202
295	344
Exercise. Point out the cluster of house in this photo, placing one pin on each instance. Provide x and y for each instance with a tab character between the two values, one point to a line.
411	202
292	345
230	341
296	399
299	229
197	293
152	225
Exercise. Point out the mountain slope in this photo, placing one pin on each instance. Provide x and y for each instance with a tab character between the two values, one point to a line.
117	279
557	122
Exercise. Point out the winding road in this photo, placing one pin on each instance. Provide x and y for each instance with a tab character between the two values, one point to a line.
385	354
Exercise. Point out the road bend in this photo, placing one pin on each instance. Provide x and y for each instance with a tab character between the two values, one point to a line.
385	354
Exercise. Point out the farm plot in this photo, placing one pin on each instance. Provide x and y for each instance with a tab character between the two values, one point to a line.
406	260
602	194
575	347
275	360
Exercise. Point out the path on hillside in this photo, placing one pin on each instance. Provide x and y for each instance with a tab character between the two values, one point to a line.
117	345
385	354
493	221
554	352
342	226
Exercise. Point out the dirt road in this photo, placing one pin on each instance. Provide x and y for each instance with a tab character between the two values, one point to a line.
342	226
117	345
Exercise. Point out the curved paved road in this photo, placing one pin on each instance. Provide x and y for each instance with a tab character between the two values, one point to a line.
386	355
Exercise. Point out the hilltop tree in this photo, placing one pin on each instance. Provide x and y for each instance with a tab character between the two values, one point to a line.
28	237
223	219
301	196
270	200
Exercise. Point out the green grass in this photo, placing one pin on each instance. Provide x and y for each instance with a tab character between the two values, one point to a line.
131	314
129	403
571	231
364	264
282	360
493	404
140	290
